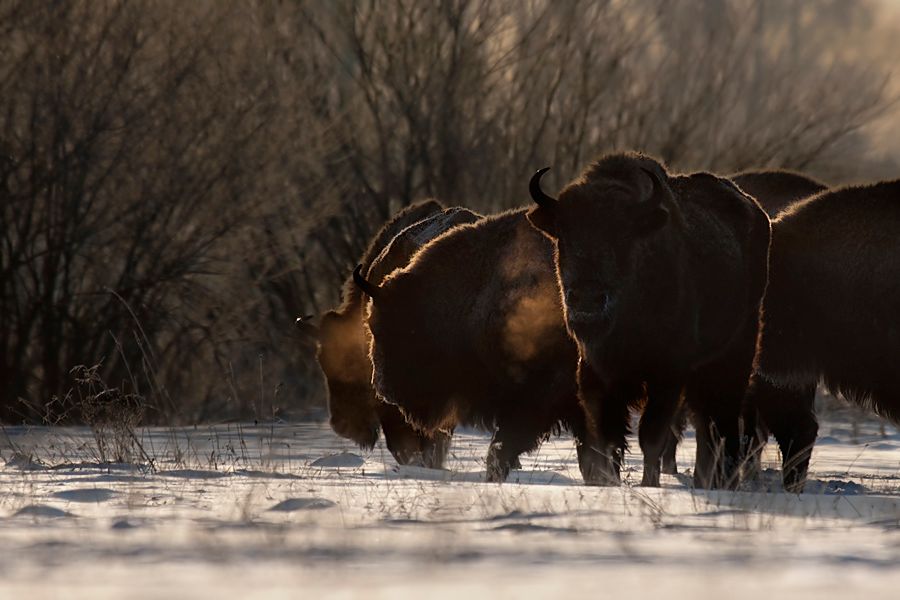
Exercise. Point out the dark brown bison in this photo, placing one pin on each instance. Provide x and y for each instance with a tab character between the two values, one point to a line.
472	332
662	279
787	413
343	345
831	309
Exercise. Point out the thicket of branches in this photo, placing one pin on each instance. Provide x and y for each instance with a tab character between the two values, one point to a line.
178	181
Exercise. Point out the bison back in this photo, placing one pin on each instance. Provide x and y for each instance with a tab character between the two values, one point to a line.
831	306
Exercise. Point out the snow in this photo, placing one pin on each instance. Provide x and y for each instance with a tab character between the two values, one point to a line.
294	511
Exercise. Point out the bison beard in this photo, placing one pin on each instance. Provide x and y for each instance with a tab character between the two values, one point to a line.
830	311
662	279
343	347
472	332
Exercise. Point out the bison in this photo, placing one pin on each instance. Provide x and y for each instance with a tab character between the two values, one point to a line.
830	312
662	279
343	347
471	331
787	413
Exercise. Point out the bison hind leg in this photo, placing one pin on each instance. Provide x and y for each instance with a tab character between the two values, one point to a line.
606	409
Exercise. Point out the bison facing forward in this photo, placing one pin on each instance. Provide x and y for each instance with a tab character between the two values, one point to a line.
343	345
472	332
662	279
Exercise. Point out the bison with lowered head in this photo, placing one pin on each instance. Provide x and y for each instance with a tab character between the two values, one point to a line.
471	331
662	279
343	345
831	309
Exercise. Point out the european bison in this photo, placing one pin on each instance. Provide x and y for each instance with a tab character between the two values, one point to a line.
787	412
343	346
830	311
471	331
662	279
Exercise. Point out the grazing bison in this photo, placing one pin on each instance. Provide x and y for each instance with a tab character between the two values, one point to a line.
787	412
343	347
831	308
662	279
471	331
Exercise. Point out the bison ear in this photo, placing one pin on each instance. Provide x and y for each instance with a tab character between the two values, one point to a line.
648	219
543	219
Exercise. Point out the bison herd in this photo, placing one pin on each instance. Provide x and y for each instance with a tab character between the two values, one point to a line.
725	300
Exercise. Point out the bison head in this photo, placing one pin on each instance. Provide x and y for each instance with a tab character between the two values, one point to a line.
599	225
348	373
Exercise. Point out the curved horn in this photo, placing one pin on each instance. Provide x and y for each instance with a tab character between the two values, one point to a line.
360	281
537	194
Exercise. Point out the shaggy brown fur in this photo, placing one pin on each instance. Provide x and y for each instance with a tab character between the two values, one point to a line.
343	346
831	309
662	280
472	332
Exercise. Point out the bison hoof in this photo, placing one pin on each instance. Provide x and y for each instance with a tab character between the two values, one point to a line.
670	468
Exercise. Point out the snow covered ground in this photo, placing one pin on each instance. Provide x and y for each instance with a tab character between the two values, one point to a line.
294	511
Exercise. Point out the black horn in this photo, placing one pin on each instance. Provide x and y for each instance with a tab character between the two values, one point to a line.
537	194
360	281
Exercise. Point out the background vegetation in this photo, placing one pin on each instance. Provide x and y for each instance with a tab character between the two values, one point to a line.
179	180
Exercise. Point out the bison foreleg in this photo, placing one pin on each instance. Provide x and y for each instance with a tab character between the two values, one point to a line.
655	431
591	461
606	412
715	396
716	404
